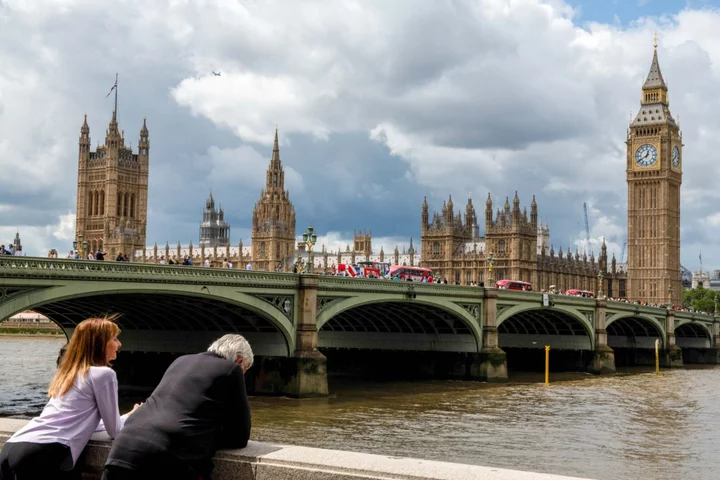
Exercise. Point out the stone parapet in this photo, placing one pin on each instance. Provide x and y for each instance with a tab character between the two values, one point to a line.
260	461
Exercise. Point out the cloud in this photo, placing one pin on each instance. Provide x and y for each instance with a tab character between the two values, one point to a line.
378	104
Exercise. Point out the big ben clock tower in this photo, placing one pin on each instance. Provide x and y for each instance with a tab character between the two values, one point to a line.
654	176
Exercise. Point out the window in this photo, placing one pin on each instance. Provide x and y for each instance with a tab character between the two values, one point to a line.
132	206
501	247
436	248
262	249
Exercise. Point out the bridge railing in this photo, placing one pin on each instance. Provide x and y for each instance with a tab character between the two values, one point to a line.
55	268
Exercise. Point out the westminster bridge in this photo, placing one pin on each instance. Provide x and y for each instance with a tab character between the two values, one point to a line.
301	325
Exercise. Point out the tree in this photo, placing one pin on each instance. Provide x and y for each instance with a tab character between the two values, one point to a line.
700	299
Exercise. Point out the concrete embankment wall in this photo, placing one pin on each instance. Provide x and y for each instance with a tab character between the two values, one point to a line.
261	461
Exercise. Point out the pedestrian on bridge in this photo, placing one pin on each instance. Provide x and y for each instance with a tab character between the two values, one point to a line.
200	406
83	392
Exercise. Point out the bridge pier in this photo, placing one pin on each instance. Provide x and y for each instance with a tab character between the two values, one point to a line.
672	355
603	359
307	368
491	362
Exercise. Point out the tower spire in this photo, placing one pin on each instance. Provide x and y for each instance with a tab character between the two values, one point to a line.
654	78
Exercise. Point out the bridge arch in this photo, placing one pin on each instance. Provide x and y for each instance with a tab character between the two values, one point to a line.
395	322
634	330
692	335
530	326
161	313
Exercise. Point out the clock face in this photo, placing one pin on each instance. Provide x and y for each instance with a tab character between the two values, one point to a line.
646	155
675	157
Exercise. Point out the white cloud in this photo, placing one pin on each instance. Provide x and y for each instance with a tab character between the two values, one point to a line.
467	96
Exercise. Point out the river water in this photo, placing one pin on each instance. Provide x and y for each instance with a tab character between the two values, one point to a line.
626	426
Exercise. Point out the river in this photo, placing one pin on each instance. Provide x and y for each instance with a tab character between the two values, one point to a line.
626	426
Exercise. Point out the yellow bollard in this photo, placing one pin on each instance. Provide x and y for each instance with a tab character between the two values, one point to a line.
547	364
657	357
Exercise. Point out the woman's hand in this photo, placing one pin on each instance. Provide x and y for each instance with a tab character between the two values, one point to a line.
137	405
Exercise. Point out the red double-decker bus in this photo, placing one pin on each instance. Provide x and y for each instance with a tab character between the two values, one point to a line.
416	274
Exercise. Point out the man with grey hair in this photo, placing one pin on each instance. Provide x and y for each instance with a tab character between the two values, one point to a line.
199	406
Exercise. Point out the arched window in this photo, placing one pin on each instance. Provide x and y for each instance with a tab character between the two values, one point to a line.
277	251
89	205
501	246
436	248
102	202
262	249
119	204
132	205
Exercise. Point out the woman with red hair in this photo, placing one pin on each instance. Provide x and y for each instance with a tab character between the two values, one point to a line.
83	392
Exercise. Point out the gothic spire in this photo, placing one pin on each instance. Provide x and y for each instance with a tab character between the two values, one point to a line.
275	182
655	79
276	150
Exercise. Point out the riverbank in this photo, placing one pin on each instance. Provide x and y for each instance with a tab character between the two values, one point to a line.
30	332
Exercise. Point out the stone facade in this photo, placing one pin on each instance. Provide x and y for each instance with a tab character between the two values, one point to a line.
453	249
214	231
112	192
273	221
654	176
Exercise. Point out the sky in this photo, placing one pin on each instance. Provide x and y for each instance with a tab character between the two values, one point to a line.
378	104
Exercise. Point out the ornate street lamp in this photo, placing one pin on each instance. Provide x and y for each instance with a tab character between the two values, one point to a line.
309	238
80	246
600	278
490	262
670	292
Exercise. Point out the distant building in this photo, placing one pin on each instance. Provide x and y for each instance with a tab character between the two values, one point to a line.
701	279
17	244
214	231
112	192
273	220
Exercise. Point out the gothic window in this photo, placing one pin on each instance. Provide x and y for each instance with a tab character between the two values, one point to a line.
89	205
119	204
102	202
262	249
468	278
436	248
274	179
277	251
126	204
501	247
132	205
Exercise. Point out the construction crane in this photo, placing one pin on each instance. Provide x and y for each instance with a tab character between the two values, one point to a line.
622	252
587	229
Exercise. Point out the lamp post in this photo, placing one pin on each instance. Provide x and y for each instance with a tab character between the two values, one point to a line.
309	238
670	292
490	262
80	245
600	278
715	312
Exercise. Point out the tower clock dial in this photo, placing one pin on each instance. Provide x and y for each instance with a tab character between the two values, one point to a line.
646	155
675	157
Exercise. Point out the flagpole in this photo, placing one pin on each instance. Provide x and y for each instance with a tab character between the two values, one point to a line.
116	89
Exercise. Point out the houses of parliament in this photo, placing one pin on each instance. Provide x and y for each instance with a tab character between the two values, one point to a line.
112	216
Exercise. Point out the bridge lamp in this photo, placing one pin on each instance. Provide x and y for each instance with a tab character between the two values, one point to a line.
309	238
670	292
490	262
600	278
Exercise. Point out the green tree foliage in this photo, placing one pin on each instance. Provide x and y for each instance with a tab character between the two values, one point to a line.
700	299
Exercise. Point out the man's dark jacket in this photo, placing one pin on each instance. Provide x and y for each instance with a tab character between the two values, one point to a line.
200	406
